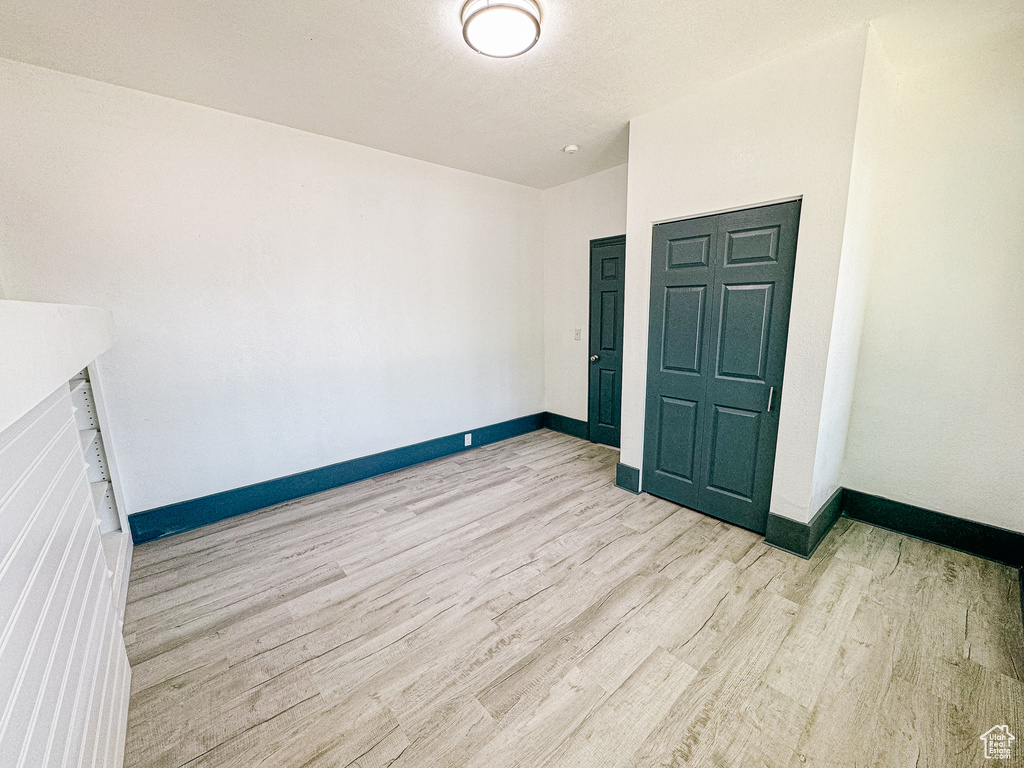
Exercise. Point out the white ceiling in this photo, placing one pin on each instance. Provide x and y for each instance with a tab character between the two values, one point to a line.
396	74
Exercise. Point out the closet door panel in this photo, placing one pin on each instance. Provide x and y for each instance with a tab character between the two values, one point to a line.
681	280
752	285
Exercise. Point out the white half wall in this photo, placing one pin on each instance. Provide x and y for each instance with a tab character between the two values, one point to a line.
64	675
282	300
781	131
937	420
574	214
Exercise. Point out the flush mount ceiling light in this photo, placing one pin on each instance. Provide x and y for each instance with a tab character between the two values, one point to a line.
501	28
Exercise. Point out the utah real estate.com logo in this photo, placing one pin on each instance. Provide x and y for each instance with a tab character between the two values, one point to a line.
998	742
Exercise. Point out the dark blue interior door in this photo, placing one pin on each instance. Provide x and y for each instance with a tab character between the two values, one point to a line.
719	322
681	278
607	279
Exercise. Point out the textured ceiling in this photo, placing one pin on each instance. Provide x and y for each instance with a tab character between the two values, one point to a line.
396	74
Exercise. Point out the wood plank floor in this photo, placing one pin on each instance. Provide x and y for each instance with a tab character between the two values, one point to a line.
509	606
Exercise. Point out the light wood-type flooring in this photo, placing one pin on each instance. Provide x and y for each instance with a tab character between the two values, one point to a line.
509	606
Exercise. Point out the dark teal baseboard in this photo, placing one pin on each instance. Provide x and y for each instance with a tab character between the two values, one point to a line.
186	515
968	536
627	478
566	425
803	538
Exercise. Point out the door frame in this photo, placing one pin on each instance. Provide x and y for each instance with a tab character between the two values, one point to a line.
599	242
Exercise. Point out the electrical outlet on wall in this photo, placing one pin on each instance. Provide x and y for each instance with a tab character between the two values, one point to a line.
469	438
576	335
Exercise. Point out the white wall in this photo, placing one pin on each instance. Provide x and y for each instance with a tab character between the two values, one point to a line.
574	214
780	131
41	347
870	167
282	300
937	417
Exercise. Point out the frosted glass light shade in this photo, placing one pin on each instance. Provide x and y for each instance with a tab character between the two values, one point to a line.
501	28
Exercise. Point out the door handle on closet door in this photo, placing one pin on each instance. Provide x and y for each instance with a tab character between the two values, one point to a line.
594	358
771	396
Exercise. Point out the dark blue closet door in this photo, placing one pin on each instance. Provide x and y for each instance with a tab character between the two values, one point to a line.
716	362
